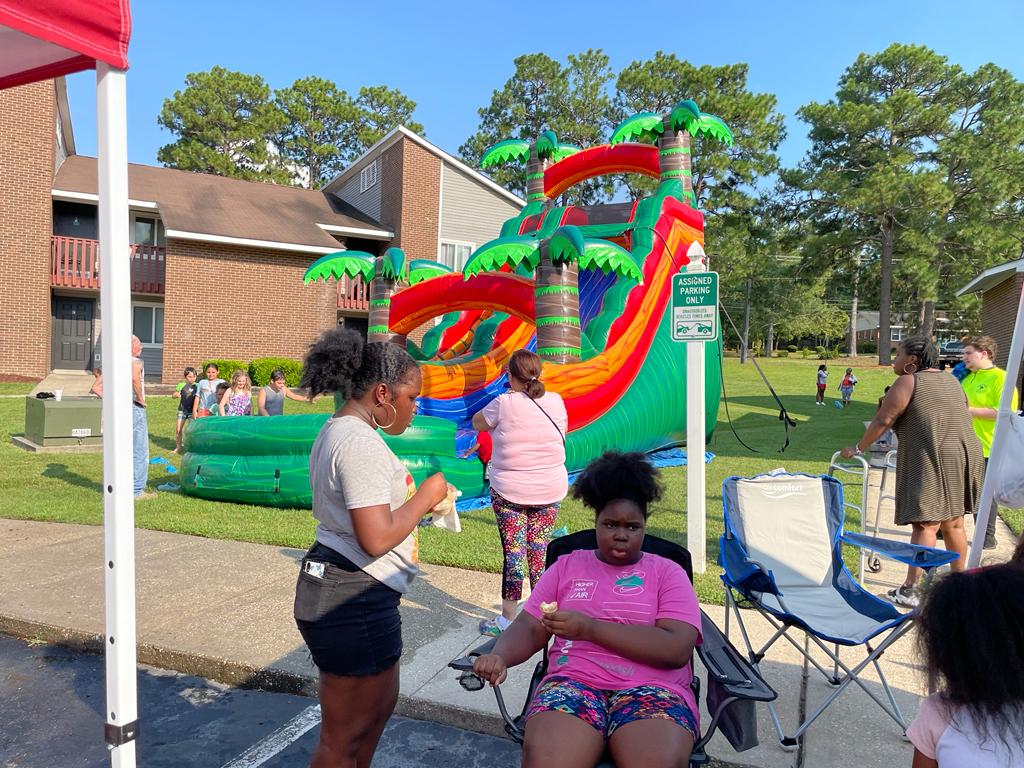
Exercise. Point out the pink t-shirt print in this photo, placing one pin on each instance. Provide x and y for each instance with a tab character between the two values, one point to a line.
651	589
528	461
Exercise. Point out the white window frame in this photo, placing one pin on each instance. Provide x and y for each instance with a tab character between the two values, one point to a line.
158	231
896	333
154	305
457	244
368	177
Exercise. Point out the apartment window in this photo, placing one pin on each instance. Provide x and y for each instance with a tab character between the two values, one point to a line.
147	230
455	254
368	177
148	323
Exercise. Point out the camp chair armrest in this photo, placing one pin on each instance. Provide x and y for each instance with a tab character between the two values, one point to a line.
903	552
465	663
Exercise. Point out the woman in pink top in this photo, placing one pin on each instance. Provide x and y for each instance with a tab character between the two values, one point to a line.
527	474
625	624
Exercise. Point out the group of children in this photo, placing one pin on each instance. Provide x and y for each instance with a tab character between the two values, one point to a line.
846	386
214	396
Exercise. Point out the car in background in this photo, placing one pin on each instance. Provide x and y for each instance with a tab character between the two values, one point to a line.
951	353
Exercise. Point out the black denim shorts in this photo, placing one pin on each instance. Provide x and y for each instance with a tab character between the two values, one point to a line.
349	620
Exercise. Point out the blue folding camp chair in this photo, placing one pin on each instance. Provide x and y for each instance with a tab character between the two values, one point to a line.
782	555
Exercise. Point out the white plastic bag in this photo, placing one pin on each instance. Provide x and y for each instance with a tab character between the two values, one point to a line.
444	514
1009	472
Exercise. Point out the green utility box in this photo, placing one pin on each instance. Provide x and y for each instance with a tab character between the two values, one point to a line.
70	421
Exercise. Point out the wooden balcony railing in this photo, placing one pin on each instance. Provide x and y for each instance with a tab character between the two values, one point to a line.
75	263
353	293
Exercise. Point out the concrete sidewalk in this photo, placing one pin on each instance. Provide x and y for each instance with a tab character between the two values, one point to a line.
223	610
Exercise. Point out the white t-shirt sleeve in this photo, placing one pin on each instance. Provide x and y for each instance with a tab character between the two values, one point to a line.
929	725
492	411
365	472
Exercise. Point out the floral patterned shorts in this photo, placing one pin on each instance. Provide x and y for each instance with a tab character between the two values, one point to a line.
607	711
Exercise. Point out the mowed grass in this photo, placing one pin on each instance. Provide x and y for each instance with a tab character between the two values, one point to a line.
66	487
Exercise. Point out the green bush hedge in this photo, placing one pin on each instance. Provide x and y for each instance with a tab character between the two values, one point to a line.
867	348
783	353
225	366
261	368
792	348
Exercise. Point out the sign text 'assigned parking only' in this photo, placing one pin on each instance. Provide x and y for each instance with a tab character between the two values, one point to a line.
695	306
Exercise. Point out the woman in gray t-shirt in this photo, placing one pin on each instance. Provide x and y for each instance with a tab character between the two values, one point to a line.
364	557
270	400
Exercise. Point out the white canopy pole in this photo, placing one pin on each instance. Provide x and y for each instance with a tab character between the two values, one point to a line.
696	499
118	501
997	454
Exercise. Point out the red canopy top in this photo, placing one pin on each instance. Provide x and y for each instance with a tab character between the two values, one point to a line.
42	39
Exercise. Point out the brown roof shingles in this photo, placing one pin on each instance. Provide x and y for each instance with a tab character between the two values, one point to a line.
215	205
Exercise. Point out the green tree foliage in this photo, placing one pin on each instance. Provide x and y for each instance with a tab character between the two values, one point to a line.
916	166
227	123
542	94
723	176
380	109
224	122
318	119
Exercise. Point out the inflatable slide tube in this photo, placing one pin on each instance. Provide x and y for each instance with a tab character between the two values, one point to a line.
496	291
458	342
433	340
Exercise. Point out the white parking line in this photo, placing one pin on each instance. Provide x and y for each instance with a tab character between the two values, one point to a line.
279	740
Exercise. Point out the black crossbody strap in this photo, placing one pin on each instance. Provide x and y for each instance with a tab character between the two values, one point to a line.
557	429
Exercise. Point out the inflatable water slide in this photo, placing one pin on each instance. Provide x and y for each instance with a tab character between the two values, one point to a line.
586	287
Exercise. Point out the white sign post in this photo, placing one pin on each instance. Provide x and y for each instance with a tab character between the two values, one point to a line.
695	322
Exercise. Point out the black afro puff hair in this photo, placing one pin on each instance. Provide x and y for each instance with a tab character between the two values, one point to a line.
616	475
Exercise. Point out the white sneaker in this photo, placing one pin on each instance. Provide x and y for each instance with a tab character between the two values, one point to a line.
905	597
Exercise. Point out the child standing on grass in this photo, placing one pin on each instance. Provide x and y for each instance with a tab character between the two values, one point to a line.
237	400
819	398
208	397
846	386
186	394
971	634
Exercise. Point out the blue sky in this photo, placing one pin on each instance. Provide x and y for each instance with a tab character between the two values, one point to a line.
450	56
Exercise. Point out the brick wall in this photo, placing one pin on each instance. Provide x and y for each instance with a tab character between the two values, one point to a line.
999	313
410	196
421	178
27	141
243	303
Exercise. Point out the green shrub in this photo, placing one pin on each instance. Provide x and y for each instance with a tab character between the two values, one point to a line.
783	353
225	366
867	348
261	368
805	352
792	349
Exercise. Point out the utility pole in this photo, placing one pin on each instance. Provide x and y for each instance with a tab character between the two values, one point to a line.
746	325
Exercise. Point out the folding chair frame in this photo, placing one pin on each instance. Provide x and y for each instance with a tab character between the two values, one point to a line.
758	578
833	678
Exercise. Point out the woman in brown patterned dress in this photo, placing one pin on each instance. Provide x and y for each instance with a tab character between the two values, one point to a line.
938	459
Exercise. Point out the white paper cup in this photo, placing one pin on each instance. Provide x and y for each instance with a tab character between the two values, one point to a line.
58	394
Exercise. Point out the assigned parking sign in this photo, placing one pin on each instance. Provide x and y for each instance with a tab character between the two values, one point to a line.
695	306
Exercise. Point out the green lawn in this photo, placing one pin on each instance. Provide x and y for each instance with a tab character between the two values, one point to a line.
66	487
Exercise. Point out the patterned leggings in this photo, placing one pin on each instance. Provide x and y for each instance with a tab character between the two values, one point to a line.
524	532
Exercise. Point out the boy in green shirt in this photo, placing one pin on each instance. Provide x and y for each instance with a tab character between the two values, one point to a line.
983	386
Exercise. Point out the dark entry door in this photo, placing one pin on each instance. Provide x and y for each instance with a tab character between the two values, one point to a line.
72	332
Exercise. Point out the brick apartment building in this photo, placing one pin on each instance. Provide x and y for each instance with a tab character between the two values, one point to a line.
217	263
1000	288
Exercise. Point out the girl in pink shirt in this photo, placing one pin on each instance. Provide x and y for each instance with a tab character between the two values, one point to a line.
527	475
971	631
625	624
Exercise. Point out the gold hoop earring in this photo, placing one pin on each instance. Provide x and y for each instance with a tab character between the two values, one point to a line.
911	365
391	423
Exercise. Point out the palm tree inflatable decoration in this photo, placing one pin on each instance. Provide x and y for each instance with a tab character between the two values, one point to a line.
537	156
556	261
671	132
383	273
